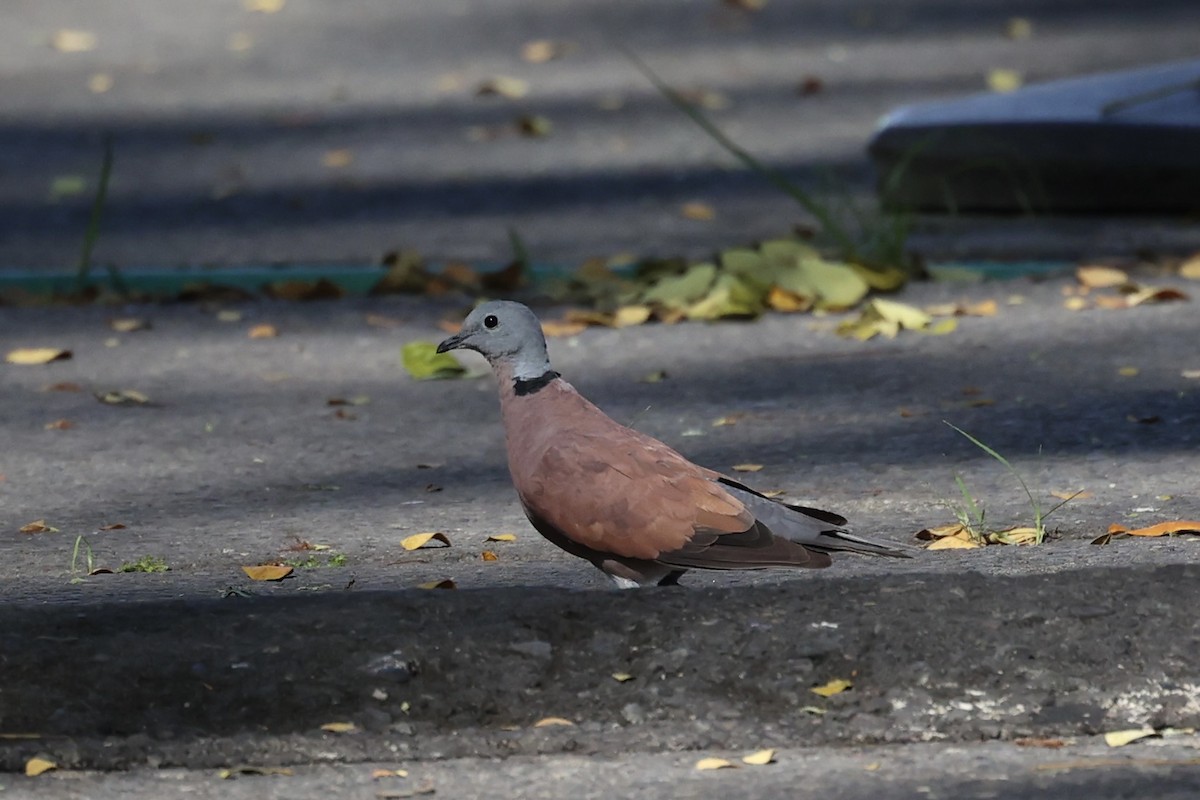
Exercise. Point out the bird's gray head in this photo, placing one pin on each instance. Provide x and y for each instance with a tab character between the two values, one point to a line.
506	334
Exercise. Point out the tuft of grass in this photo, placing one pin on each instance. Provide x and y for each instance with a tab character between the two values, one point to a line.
975	513
82	545
144	564
880	239
92	233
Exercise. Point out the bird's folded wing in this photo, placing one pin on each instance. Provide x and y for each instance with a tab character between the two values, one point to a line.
629	498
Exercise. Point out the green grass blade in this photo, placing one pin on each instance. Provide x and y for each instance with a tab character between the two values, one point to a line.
92	233
819	211
1033	503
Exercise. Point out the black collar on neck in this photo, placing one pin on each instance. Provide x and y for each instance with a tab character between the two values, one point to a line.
523	386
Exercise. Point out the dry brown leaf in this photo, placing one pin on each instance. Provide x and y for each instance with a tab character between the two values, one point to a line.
1100	277
419	540
714	763
37	526
502	537
444	583
339	727
129	324
941	531
388	773
759	758
835	686
698	210
59	425
267	572
116	526
554	328
488	555
263	331
1030	741
728	419
30	356
747	467
1153	294
549	722
38	765
1019	535
747	5
67	386
1161	529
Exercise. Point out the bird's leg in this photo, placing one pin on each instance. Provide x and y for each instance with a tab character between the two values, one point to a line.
672	577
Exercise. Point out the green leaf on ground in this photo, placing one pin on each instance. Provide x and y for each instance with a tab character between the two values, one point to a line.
423	362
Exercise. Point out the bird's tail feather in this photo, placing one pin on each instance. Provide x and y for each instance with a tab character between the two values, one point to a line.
833	541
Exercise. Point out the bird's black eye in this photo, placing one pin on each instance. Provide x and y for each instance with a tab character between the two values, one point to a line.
490	321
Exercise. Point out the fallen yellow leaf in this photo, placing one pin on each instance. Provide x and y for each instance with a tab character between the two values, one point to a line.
488	555
698	210
128	324
69	40
780	299
714	763
622	677
835	686
1004	80
263	331
389	773
263	6
99	82
631	315
549	722
1127	372
37	526
1099	277
759	758
953	543
747	467
1018	28
340	727
36	355
419	540
539	51
1122	738
38	765
338	159
1067	495
267	572
504	86
554	328
502	537
1190	268
122	397
1075	304
1161	529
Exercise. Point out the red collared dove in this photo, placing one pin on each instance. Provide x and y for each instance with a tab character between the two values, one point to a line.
635	508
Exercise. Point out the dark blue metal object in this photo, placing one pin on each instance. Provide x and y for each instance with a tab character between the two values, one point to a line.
1115	142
